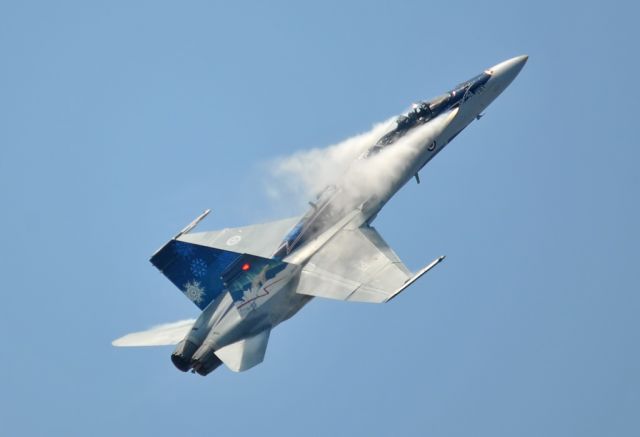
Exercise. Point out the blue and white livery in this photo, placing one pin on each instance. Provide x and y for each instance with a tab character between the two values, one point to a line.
247	280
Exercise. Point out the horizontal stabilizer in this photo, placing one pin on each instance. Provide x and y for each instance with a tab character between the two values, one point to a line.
161	335
244	354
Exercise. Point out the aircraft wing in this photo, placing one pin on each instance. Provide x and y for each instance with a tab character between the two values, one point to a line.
261	239
357	265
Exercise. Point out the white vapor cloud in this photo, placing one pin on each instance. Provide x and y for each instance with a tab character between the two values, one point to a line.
302	175
305	173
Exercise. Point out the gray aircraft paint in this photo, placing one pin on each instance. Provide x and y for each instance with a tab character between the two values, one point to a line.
332	251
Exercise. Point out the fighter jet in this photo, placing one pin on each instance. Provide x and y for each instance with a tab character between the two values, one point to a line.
247	280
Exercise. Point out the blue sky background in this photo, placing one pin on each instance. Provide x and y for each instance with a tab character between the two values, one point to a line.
121	121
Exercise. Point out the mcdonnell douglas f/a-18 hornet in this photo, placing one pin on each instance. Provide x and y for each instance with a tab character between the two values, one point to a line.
247	280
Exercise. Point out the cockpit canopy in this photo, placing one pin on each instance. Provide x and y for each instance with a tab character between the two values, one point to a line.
438	103
422	112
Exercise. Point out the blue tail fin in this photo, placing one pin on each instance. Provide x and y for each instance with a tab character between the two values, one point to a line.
203	273
196	270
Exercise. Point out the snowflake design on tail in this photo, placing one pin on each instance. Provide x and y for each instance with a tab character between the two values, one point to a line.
194	291
198	267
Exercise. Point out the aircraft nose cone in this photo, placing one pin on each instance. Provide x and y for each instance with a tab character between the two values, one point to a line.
507	70
503	73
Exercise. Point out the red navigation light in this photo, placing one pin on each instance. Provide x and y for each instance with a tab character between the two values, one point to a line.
245	267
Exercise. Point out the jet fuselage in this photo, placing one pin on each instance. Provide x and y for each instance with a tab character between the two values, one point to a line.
412	141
